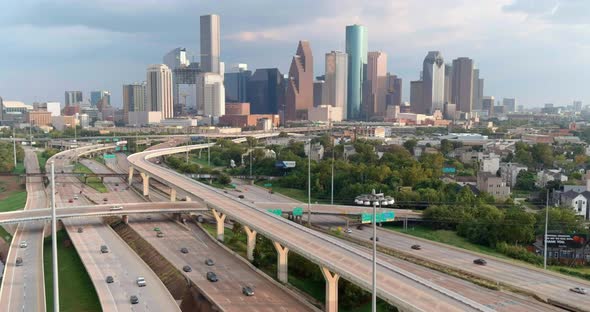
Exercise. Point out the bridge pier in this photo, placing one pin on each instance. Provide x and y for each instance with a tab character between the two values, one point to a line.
282	257
220	218
331	289
172	194
130	178
251	237
146	184
125	219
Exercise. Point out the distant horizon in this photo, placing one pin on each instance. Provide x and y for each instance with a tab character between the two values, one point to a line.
536	53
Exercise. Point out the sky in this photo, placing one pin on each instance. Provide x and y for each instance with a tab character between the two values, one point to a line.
537	51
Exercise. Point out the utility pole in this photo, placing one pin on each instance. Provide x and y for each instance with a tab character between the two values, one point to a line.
309	184
54	242
250	159
333	148
545	238
374	308
208	153
14	145
188	140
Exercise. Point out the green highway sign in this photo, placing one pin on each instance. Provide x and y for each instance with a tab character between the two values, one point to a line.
278	212
268	185
379	217
108	156
118	148
232	185
297	211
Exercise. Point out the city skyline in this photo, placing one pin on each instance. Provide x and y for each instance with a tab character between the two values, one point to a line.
104	56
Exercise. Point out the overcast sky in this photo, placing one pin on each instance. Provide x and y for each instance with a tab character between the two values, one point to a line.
535	50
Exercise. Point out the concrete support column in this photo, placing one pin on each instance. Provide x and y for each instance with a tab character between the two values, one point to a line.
331	289
130	178
125	219
172	194
282	253
220	218
251	234
146	184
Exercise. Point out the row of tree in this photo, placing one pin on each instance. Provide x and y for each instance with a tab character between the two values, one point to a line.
7	156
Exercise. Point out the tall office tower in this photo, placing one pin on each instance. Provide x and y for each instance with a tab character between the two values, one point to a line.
394	90
356	48
462	84
417	97
100	99
236	85
211	94
448	83
73	97
577	106
176	58
477	90
335	87
509	105
487	105
159	90
134	99
433	87
266	91
210	49
318	93
299	95
375	89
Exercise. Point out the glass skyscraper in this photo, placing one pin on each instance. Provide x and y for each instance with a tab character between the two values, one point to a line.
356	48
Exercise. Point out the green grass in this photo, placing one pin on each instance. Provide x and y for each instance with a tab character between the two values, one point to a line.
297	194
42	161
201	161
76	291
19	169
93	182
14	201
7	237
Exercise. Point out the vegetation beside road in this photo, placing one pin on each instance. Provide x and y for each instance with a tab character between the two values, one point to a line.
76	291
42	157
93	182
7	157
14	201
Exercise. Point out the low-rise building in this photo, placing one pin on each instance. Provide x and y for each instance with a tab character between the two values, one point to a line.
509	172
325	113
144	118
547	175
317	151
39	118
243	121
493	185
62	122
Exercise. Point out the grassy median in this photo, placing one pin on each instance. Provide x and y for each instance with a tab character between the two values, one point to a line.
93	182
76	291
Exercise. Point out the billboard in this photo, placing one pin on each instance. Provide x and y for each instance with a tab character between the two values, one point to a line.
566	240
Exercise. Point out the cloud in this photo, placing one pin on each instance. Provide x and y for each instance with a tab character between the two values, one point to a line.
567	12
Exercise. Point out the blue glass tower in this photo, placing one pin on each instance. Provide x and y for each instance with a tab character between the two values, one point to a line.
356	48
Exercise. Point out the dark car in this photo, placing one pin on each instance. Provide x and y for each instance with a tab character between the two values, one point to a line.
187	268
116	184
104	249
241	196
480	261
376	239
80	230
359	227
416	247
248	291
70	200
110	279
184	250
209	262
134	300
19	261
105	199
212	277
160	235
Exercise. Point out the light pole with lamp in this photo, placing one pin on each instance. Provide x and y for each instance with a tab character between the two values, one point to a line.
309	183
14	145
374	199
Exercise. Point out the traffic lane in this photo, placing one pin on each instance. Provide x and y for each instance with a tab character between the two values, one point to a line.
257	194
547	285
233	273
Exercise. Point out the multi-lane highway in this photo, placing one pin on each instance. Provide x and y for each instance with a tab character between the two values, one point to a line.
399	287
23	287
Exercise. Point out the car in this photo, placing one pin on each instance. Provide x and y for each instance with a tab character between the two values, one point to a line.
480	261
376	239
160	235
19	261
184	250
416	247
116	208
116	184
359	227
579	290
248	291
80	230
76	197
348	231
134	299
104	249
157	229
70	200
212	277
105	199
110	279
210	262
140	281
186	268
241	196
149	217
225	192
23	244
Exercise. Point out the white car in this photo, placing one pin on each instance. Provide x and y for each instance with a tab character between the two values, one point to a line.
348	231
141	281
117	208
23	244
579	290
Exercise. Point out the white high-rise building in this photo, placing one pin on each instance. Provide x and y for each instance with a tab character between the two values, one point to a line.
210	48
336	81
433	86
176	59
210	94
159	90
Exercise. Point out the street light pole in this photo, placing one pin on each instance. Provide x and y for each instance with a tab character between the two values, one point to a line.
54	242
14	145
208	153
250	159
545	240
374	296
309	184
333	148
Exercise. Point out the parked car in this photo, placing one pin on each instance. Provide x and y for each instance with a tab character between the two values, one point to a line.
104	249
160	235
209	262
184	250
579	290
110	279
80	230
248	291
416	247
187	268
141	281
212	277
134	299
480	261
23	244
19	261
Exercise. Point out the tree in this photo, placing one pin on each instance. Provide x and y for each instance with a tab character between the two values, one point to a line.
410	144
562	220
446	146
518	226
525	180
542	155
224	179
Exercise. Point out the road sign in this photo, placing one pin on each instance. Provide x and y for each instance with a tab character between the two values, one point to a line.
278	212
268	185
297	211
108	156
379	217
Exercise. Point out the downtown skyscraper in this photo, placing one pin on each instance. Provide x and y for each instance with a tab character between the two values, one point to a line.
375	85
159	90
433	82
336	84
356	48
462	84
134	99
210	44
299	95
